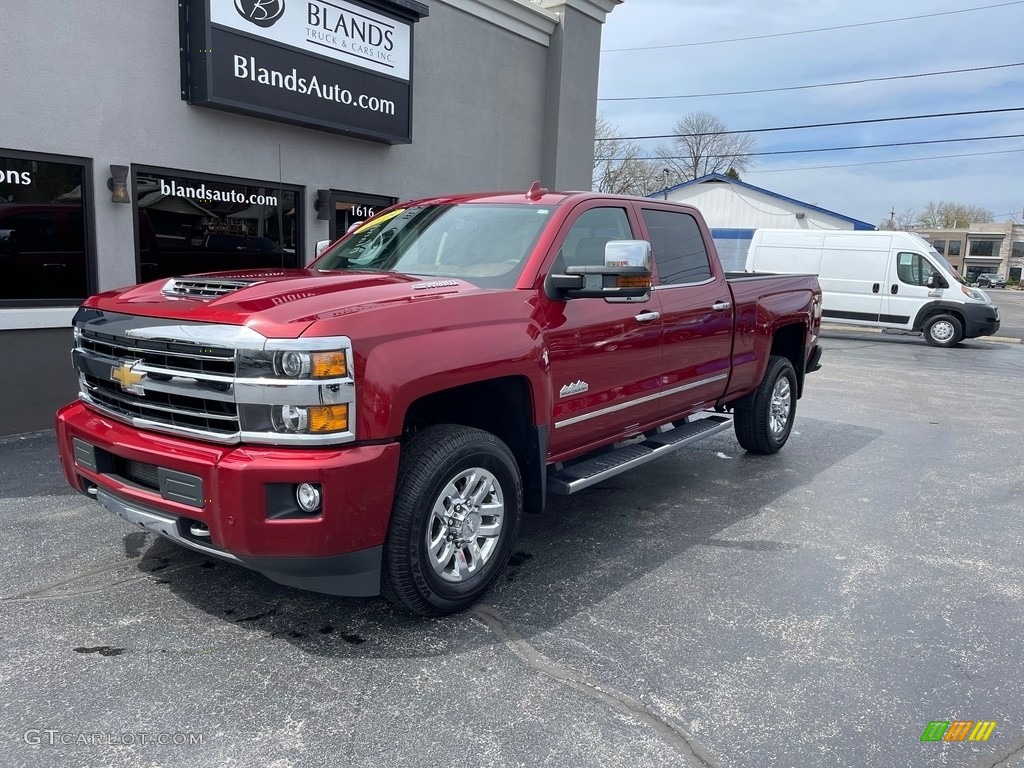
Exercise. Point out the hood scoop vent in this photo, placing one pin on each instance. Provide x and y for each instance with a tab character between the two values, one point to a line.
203	288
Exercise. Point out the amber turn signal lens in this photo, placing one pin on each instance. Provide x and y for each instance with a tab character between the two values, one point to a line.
328	365
634	282
328	418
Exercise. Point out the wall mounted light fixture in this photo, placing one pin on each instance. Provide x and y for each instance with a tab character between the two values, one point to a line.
118	184
322	204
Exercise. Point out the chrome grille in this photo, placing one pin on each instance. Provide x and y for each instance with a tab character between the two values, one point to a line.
185	386
200	288
175	357
202	380
218	417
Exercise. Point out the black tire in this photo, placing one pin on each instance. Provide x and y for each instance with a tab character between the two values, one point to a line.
763	420
433	581
943	331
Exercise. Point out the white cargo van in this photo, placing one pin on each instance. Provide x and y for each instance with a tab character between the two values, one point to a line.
882	279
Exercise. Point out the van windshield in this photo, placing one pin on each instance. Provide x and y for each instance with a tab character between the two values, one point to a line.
941	260
485	244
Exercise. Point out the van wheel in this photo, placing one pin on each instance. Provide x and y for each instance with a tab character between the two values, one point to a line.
943	331
763	419
454	520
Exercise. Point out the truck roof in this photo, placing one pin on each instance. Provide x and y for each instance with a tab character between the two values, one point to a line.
543	197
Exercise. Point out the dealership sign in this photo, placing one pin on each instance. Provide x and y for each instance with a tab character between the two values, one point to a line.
340	66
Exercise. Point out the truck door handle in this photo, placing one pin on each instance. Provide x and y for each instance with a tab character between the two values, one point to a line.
875	288
646	317
895	288
721	306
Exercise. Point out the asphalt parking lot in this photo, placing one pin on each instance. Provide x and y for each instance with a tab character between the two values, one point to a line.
815	608
1011	311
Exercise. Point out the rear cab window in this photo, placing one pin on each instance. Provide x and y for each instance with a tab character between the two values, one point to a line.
679	251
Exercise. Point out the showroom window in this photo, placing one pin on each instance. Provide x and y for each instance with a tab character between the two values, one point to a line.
189	223
44	240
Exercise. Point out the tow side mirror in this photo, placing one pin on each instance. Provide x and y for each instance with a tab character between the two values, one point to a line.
626	274
321	246
936	281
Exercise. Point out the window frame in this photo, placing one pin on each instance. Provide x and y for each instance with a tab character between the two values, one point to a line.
88	223
301	256
702	233
922	260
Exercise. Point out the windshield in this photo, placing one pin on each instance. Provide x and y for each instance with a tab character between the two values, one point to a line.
485	244
936	256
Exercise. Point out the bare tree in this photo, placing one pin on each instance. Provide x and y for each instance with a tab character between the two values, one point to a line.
943	215
703	146
902	221
619	165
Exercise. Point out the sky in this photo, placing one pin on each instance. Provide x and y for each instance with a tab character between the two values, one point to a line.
870	186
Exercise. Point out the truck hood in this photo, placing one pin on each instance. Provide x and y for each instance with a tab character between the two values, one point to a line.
276	303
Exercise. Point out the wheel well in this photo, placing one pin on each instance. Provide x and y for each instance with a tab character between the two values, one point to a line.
503	407
788	342
932	312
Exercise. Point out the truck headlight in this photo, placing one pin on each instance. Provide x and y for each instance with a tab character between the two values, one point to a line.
294	364
290	418
311	420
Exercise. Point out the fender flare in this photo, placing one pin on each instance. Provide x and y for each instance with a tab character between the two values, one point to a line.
938	307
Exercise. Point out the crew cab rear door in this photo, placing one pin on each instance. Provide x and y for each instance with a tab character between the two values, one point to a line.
604	356
696	310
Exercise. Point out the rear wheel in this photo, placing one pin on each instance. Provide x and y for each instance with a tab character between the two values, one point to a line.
943	331
763	419
454	521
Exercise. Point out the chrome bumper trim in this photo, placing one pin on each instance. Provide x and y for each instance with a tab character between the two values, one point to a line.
155	522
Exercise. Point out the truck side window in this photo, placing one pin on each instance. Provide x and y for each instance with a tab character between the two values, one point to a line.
678	247
585	241
913	268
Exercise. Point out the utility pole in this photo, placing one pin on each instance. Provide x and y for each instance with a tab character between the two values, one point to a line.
892	218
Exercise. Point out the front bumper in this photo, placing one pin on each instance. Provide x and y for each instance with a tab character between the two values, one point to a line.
981	320
223	501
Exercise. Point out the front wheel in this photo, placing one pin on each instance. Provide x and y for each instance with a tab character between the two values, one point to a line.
763	419
943	331
454	521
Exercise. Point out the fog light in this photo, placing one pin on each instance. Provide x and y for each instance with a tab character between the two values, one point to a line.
308	497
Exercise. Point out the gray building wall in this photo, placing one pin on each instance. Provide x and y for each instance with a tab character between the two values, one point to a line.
503	94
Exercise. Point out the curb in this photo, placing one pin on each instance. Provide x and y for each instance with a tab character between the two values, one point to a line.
999	339
898	332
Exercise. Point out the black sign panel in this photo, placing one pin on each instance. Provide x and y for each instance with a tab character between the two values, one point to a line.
227	67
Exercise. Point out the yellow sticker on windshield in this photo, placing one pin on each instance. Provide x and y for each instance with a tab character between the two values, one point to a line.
379	220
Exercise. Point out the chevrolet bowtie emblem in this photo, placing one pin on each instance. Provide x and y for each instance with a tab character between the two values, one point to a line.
129	378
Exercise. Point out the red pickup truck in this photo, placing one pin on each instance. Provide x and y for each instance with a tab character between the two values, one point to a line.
378	422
